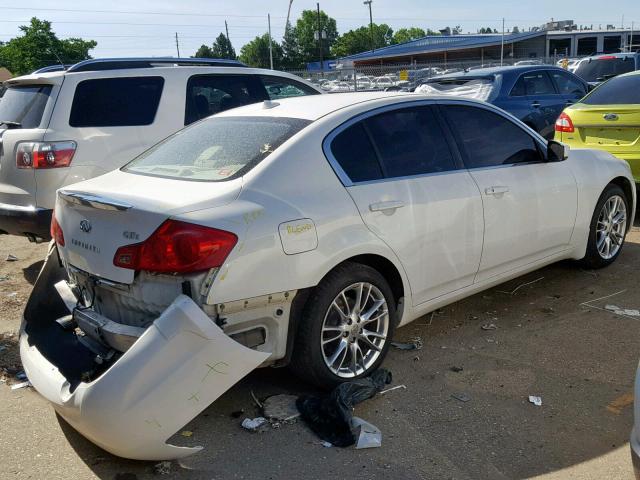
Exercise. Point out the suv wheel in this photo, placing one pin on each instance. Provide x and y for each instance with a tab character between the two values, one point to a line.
346	327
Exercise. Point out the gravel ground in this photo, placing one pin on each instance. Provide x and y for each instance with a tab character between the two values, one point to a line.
580	359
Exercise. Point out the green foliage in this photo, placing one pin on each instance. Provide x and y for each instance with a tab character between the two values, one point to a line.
204	52
221	48
39	47
256	53
291	48
305	28
404	35
359	40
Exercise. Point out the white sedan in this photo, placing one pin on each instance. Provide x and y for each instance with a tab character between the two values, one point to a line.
300	232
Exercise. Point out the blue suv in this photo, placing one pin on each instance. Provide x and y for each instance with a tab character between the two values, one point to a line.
535	94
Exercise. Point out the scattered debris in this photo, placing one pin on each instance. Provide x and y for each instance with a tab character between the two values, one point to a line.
21	375
281	408
255	399
4	278
520	286
619	403
463	397
11	258
12	294
369	436
489	326
16	386
330	416
186	433
456	369
2	347
414	344
404	387
162	468
537	401
630	312
327	444
254	424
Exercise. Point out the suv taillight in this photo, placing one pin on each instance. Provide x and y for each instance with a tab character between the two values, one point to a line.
177	247
564	124
56	231
45	154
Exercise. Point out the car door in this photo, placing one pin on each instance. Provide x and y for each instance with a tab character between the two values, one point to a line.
529	204
569	87
544	102
413	193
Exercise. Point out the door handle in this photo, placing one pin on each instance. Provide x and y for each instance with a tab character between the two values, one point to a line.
535	104
392	205
497	190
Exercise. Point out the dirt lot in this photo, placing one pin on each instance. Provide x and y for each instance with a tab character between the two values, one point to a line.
579	358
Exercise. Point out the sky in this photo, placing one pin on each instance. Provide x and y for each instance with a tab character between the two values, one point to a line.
148	27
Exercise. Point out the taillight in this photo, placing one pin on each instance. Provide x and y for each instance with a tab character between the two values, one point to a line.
56	231
45	154
177	247
564	124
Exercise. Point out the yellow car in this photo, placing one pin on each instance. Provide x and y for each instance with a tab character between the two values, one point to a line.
608	118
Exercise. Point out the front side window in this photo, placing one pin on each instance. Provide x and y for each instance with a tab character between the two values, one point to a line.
116	102
533	83
489	139
278	87
217	149
24	105
211	94
567	84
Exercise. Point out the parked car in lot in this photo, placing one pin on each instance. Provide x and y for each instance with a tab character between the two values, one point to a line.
534	94
607	119
599	68
61	127
301	232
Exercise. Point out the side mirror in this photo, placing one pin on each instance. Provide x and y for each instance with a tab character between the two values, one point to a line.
556	151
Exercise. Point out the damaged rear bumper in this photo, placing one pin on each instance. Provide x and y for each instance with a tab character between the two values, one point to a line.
178	367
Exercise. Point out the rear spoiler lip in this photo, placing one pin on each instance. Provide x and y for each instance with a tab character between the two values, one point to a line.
94	201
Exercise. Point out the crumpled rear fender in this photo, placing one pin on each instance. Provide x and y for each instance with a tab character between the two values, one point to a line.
179	366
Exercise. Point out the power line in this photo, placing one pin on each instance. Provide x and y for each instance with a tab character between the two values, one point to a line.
141	24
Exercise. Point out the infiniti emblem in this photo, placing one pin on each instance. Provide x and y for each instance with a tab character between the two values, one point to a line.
85	226
610	116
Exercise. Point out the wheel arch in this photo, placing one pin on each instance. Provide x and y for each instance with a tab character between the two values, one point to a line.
627	188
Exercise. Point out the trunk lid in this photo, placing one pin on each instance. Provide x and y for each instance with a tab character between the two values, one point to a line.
105	213
616	127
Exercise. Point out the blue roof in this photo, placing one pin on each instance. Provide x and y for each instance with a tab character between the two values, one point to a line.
440	43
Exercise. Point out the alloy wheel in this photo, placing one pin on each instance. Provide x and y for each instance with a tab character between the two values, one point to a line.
611	227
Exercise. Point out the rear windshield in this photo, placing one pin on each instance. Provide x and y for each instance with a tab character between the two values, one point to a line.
24	105
599	70
478	88
216	149
617	91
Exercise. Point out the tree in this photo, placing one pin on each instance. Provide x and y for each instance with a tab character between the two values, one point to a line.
404	35
291	48
204	52
256	53
39	47
359	40
305	29
222	48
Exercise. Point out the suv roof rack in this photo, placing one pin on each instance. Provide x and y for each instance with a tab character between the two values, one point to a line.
52	68
98	64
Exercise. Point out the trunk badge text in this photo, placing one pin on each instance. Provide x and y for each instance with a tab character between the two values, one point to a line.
610	116
131	235
85	226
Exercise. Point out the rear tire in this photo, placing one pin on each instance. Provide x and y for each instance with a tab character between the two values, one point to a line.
608	228
338	339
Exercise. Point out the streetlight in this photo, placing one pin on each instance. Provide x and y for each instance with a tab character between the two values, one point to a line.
368	2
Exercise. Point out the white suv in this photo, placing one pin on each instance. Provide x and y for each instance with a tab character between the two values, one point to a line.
62	127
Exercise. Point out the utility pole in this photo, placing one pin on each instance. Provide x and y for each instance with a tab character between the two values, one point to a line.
286	25
270	43
502	45
320	38
631	38
177	45
226	27
368	2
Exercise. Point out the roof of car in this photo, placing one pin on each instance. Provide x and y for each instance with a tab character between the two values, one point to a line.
481	72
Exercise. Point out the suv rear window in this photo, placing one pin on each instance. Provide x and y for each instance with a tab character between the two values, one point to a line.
216	149
601	69
617	91
24	105
116	102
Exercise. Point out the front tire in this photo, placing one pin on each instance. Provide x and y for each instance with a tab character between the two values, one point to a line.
608	228
346	326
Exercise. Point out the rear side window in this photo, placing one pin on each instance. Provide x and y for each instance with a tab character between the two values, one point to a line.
601	69
217	149
489	139
24	105
211	94
533	83
278	87
116	102
354	152
567	84
617	91
410	141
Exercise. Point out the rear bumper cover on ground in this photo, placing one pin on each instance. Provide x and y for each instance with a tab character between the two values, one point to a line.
19	220
178	367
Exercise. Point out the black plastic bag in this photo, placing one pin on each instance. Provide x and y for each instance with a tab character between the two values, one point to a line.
330	416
